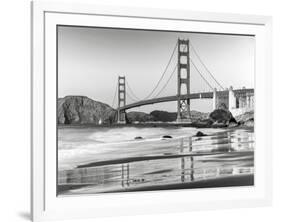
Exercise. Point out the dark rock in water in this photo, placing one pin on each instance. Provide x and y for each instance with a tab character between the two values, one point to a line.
138	138
167	137
221	118
199	134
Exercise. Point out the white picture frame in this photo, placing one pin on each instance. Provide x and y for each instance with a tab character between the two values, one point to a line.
46	204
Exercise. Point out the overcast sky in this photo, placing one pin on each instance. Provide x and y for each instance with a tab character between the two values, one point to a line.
90	60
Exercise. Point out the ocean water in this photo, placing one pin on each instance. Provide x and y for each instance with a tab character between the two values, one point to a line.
103	159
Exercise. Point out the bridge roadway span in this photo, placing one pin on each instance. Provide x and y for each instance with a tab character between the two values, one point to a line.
203	95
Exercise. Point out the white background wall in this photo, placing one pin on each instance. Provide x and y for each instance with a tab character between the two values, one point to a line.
15	111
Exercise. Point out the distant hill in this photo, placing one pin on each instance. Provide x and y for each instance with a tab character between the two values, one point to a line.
83	110
139	117
162	116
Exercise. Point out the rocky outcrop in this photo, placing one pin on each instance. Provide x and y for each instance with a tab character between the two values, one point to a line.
221	117
246	119
83	110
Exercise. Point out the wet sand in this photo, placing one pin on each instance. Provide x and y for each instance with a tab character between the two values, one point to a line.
143	158
230	181
239	180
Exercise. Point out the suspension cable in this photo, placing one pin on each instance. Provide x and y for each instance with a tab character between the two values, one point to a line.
163	74
164	86
130	97
197	55
114	95
171	75
200	74
173	72
132	92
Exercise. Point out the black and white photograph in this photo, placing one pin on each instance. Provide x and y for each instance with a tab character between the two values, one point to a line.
153	110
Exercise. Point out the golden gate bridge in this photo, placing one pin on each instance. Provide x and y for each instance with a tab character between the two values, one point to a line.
183	95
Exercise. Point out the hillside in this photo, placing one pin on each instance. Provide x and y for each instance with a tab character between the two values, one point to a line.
164	116
83	110
139	117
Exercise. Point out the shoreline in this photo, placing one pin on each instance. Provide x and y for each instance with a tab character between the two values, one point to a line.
122	160
152	125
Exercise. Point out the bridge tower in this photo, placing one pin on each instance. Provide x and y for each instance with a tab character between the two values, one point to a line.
121	99
183	104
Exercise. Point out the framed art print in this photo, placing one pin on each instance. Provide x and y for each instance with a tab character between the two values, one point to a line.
140	111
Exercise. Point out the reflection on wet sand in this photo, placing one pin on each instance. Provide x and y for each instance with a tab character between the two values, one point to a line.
187	160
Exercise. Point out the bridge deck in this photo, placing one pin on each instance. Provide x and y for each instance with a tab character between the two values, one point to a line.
203	95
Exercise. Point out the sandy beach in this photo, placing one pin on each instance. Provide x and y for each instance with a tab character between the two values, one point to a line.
102	160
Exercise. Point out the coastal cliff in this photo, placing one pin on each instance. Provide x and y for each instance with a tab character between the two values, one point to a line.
83	110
